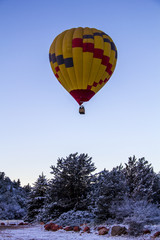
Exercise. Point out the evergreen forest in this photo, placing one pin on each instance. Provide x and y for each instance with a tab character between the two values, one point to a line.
77	194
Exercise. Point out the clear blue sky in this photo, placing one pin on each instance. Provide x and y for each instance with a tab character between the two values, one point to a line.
39	120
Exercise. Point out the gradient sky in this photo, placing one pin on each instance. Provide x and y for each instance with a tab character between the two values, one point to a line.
39	120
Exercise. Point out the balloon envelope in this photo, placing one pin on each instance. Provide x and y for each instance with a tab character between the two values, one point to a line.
83	60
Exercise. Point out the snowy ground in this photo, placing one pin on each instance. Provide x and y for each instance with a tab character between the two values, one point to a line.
37	232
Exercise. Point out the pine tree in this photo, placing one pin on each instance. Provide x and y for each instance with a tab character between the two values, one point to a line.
155	194
27	188
70	184
12	199
111	189
140	178
36	199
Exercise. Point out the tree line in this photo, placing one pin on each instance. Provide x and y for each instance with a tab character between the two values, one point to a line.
125	193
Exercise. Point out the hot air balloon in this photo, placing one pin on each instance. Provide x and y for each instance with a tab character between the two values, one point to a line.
83	60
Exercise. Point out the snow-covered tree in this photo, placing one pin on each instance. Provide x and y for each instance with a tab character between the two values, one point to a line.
36	199
111	189
27	188
155	195
70	185
140	178
12	198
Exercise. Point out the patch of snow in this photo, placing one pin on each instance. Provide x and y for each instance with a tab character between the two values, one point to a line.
37	232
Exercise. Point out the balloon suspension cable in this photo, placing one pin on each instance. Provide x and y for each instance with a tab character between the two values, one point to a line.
81	109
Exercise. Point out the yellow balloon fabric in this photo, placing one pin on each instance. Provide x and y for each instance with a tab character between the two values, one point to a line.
83	60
